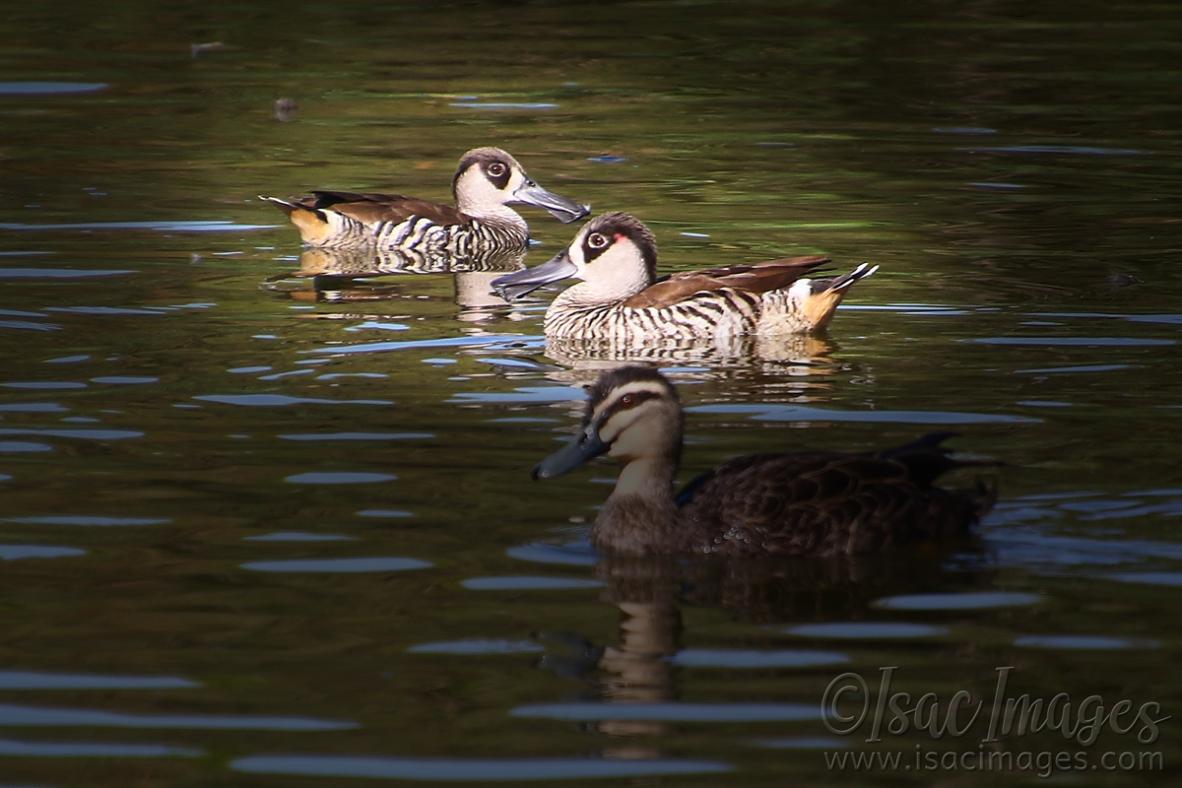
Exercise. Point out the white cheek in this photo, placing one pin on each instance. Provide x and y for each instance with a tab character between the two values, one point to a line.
515	181
575	253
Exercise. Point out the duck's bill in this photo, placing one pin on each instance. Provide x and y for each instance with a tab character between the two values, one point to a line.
519	283
584	447
562	209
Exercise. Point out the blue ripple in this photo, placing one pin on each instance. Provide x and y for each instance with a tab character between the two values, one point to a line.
471	769
341	565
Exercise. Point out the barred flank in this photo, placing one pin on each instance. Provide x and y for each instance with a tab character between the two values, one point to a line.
707	314
418	234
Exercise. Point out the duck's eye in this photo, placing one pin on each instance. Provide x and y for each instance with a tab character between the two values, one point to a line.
597	240
628	400
497	169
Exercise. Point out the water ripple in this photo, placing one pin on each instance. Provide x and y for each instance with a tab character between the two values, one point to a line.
15	552
23	447
41	716
339	477
503	105
104	310
1073	369
672	711
1073	341
341	565
522	394
125	380
385	513
473	769
88	520
282	400
164	226
49	88
25	325
571	554
61	273
32	407
1074	150
37	680
802	743
1149	578
528	583
972	600
41	749
866	630
356	436
509	340
756	658
298	536
46	385
777	412
1083	642
477	646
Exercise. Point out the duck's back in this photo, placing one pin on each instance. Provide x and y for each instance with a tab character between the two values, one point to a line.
826	503
335	219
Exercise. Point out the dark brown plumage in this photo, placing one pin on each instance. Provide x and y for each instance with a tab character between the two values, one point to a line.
827	503
799	504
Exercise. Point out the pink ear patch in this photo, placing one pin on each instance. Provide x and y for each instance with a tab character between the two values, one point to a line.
618	236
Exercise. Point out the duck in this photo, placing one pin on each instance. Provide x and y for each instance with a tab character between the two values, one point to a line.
806	504
486	183
620	298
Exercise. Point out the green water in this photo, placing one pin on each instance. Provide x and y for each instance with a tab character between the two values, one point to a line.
187	602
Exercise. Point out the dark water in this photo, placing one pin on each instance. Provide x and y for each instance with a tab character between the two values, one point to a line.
257	533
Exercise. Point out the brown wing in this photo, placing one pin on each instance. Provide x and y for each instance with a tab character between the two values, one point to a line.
370	208
822	504
754	278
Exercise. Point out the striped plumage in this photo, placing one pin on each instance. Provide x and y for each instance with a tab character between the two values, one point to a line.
805	504
620	298
486	183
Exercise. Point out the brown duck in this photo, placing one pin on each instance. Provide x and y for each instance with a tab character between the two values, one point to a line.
802	504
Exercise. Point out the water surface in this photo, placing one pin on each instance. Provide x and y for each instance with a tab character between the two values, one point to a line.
265	525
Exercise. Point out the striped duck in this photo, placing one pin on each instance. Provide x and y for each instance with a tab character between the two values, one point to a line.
486	183
621	299
817	503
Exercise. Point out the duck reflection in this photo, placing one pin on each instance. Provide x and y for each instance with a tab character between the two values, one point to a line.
339	275
640	673
797	354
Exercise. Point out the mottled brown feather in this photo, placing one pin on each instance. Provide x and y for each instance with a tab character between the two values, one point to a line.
754	278
824	504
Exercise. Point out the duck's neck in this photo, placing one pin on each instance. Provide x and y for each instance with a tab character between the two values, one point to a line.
640	516
493	213
650	478
605	290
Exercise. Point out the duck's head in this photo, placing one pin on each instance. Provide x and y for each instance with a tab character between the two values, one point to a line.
614	253
633	414
489	178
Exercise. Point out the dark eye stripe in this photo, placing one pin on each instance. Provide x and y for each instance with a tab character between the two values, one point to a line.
618	406
502	180
591	252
